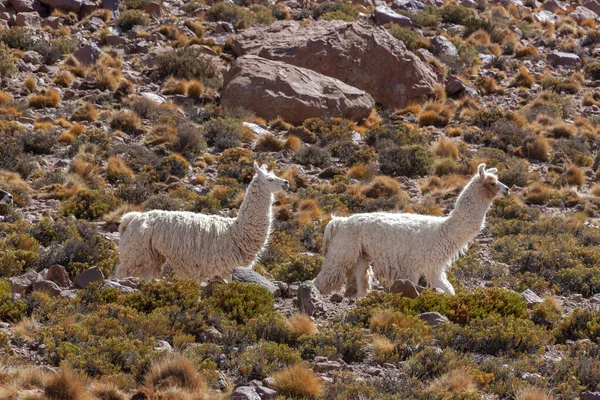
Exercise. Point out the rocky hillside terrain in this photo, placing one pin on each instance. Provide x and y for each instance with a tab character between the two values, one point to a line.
111	106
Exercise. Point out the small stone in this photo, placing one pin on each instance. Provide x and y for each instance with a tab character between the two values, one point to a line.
69	294
88	54
269	382
211	335
383	15
163	345
88	276
433	318
336	298
562	59
132	282
309	298
28	19
266	393
406	288
248	275
47	287
244	393
577	298
21	283
58	274
326	366
587	395
283	288
154	97
531	298
153	9
374	371
116	285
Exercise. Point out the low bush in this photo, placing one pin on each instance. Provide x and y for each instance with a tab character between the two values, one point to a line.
241	302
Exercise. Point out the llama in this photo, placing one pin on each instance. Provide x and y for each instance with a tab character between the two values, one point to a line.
199	246
405	246
5	198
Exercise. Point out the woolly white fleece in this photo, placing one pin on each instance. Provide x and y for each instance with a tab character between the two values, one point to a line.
405	246
199	246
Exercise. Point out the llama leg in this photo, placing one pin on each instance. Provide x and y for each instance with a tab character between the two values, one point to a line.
441	281
135	259
358	280
157	265
342	255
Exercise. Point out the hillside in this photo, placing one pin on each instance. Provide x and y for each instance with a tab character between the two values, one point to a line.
108	107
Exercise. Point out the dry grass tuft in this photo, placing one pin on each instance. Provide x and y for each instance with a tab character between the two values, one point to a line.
65	385
436	114
176	372
86	112
573	176
107	391
269	142
27	329
383	348
446	148
297	381
48	98
533	393
175	86
195	89
523	78
64	79
301	324
382	187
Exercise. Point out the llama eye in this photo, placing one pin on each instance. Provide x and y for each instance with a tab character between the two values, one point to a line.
270	179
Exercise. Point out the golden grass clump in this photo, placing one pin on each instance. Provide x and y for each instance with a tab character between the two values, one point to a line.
293	143
30	84
523	78
175	372
301	324
118	171
525	51
297	381
162	133
195	89
269	142
128	122
86	112
537	148
446	148
5	98
64	79
27	328
436	114
562	130
48	98
383	348
539	193
533	393
382	187
572	176
280	125
65	385
114	217
175	86
489	85
457	380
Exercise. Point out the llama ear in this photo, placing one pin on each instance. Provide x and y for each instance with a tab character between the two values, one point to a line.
256	167
492	170
481	170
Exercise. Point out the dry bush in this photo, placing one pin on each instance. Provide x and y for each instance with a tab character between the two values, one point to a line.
457	380
382	187
26	329
118	171
297	381
525	51
107	391
293	143
573	176
128	122
65	385
446	148
562	130
64	79
47	98
86	112
533	393
175	86
523	78
383	348
301	324
195	89
269	142
31	378
537	148
114	217
436	114
177	372
30	84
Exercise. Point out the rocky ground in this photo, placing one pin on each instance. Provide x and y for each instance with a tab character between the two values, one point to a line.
112	106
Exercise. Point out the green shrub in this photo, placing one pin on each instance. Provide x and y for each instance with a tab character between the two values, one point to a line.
455	14
494	335
40	142
18	37
593	70
223	133
7	64
241	17
89	204
313	155
130	18
183	293
10	310
173	164
271	327
341	341
187	63
581	324
265	358
407	161
342	10
430	362
298	269
241	302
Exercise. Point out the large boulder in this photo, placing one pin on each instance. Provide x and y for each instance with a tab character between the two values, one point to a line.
272	88
67	5
248	275
560	59
384	15
364	56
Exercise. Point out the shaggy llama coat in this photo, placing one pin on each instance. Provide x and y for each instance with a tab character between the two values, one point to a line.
199	246
405	246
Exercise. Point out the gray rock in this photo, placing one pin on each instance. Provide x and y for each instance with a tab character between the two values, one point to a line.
545	16
88	276
211	335
58	274
561	59
593	5
47	287
154	9
441	46
153	97
269	382
29	19
433	318
405	287
116	285
88	54
309	298
454	86
577	298
163	345
383	15
587	395
248	275
327	366
132	282
283	288
265	393
552	6
114	40
582	13
244	393
531	298
112	5
408	5
87	8
69	294
23	5
20	284
94	24
52	22
33	57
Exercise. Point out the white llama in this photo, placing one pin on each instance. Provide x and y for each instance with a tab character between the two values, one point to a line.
405	246
199	246
5	197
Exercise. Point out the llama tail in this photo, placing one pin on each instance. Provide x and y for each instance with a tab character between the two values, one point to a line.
125	220
330	231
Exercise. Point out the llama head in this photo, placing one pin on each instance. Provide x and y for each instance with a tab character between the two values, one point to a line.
268	179
490	184
5	197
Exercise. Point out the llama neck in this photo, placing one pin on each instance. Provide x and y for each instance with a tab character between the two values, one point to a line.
254	220
468	216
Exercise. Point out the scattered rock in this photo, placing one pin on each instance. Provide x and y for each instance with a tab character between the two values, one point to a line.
593	5
132	282
23	5
336	298
66	5
88	54
266	393
274	89
248	275
384	15
29	19
587	395
163	345
58	274
350	52
576	298
283	288
211	335
326	366
69	294
433	318
309	298
33	57
531	298
408	5
88	276
244	393
47	287
116	285
20	284
405	287
207	289
582	13
454	86
112	6
441	46
545	16
154	9
561	59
